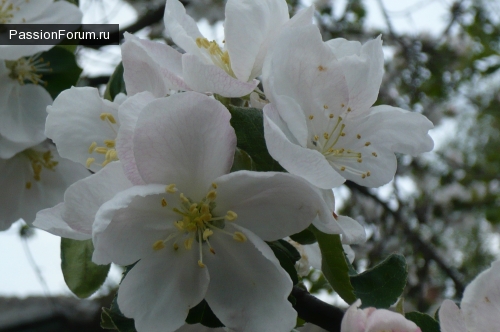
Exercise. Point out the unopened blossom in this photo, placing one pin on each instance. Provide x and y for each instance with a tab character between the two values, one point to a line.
34	179
375	320
480	307
196	232
320	123
34	12
251	26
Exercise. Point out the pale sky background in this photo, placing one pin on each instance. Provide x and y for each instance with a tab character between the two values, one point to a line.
18	278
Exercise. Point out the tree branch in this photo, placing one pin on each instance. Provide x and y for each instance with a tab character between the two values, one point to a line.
317	312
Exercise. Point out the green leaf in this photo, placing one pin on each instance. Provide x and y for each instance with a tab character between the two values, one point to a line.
334	264
82	276
382	285
202	314
304	237
248	124
64	70
287	256
424	321
116	83
242	161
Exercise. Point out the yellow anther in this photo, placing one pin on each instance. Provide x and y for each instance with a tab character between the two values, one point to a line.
107	116
360	160
368	143
358	136
176	246
374	154
28	185
342	168
158	245
342	150
200	264
225	57
240	237
231	215
212	250
349	109
188	243
163	202
331	116
321	68
342	134
311	117
206	233
89	162
368	173
316	137
110	143
212	194
92	147
206	217
363	176
325	107
193	227
171	188
183	198
342	105
101	150
214	185
325	135
111	155
193	207
179	225
205	209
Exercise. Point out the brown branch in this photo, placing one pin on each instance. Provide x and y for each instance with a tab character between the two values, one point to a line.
317	312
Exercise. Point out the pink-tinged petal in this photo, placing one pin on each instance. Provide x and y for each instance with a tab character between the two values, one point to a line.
181	27
128	114
382	320
481	301
238	295
249	27
354	319
185	139
304	162
26	195
206	78
342	47
271	205
127	226
74	123
51	220
450	318
161	288
352	231
151	66
23	111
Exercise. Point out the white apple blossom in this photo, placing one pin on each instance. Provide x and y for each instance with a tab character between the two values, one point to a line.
320	124
480	307
251	26
34	12
36	179
374	320
197	232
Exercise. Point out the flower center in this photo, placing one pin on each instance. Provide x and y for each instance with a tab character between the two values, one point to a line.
39	160
6	11
108	147
28	69
197	223
218	57
329	141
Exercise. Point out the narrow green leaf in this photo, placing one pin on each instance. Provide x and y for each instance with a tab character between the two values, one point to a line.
287	256
82	276
334	264
64	70
201	313
248	124
304	237
424	321
116	83
382	285
242	161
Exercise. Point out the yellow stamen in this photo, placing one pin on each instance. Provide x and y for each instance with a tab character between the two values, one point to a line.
240	237
158	245
92	147
200	264
89	162
206	233
231	215
171	188
188	243
212	194
163	202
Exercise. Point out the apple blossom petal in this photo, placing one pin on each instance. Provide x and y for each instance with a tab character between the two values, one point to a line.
294	118
9	148
27	10
342	47
161	288
354	319
352	231
128	114
185	139
450	318
60	12
23	113
350	254
382	319
74	123
249	27
181	27
236	270
126	226
53	222
271	205
205	78
304	162
481	301
151	66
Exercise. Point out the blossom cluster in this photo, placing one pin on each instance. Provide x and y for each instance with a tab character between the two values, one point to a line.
153	187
